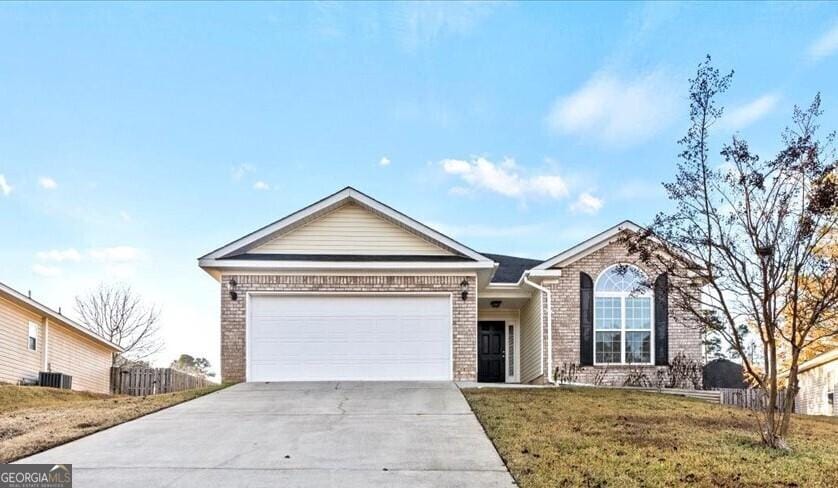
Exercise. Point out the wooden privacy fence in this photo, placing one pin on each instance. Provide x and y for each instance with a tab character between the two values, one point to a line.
754	399
152	381
706	395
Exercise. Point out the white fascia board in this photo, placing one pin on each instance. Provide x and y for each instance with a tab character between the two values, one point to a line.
824	358
544	273
588	246
417	226
334	200
514	291
326	265
532	273
278	225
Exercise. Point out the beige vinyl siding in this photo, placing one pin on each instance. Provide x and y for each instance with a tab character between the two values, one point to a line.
531	330
17	361
815	385
85	360
350	229
69	352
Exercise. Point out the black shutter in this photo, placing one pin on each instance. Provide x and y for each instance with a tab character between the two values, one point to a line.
662	320
586	320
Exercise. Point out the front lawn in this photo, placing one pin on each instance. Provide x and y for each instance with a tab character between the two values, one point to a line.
600	437
33	419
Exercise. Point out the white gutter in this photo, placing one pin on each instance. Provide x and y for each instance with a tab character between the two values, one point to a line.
46	344
365	265
545	273
549	326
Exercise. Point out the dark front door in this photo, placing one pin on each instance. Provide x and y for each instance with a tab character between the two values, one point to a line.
491	357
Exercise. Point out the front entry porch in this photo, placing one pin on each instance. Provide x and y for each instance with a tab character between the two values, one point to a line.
509	333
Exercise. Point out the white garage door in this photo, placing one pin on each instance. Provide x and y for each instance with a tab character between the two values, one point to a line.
321	338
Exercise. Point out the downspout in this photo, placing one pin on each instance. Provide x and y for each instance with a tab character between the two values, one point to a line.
46	344
549	324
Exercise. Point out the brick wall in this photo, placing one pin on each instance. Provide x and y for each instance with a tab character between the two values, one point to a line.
233	313
684	335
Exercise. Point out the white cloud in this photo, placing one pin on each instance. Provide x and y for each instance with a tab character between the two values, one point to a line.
116	254
456	166
47	183
742	116
825	45
384	161
5	187
241	170
261	185
422	23
59	255
505	178
125	216
617	111
586	203
553	186
46	271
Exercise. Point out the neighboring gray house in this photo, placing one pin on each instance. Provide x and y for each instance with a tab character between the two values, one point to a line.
818	383
351	289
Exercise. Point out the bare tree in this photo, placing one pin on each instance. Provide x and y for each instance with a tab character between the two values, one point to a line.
192	365
743	242
116	313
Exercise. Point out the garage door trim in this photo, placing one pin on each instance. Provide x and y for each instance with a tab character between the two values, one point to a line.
249	309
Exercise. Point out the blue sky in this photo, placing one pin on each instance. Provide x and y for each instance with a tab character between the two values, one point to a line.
136	137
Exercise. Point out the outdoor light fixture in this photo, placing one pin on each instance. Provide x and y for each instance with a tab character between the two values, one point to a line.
232	286
495	303
464	289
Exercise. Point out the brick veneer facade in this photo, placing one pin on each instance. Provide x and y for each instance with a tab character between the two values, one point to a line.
233	313
684	334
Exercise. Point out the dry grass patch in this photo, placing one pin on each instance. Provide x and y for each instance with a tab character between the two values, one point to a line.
600	437
34	419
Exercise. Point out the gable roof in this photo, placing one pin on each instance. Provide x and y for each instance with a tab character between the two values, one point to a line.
589	245
350	229
511	268
19	298
236	248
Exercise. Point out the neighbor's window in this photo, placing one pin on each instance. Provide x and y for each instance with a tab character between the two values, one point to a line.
622	317
33	336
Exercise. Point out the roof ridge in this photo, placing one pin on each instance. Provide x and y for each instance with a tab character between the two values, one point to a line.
510	256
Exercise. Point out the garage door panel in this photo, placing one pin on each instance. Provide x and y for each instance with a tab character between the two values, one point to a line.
309	337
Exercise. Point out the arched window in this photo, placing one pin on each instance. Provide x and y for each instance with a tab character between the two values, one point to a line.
623	319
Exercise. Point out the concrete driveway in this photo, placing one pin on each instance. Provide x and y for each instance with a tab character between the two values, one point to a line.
295	434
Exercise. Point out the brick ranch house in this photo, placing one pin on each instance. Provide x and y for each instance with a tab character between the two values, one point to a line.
351	289
35	338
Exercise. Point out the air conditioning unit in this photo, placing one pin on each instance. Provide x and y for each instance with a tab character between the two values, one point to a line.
55	380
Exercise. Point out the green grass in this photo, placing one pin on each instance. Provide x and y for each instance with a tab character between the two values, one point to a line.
601	437
33	419
20	397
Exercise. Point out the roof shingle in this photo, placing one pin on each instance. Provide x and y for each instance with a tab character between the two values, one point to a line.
511	268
